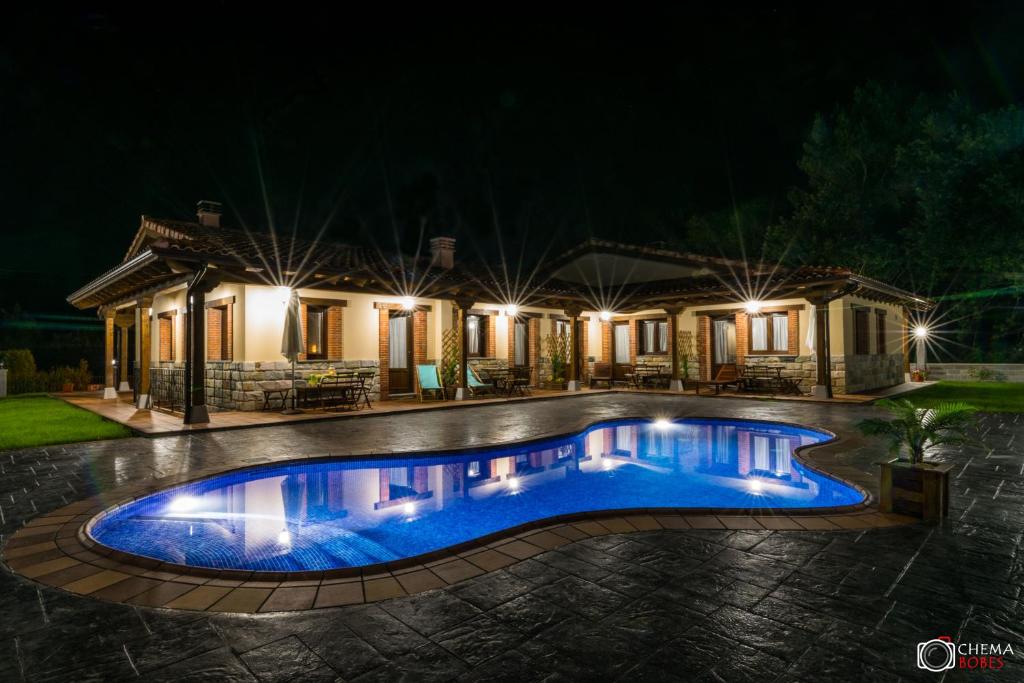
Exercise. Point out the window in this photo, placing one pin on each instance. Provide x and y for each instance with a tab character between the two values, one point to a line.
218	332
725	341
218	329
621	341
862	339
316	332
165	336
561	328
880	332
520	356
653	336
769	333
476	335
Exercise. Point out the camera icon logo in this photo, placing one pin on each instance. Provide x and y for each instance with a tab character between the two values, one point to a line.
936	655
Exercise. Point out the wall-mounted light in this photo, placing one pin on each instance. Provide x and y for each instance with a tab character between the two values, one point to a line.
606	316
511	310
920	331
408	303
753	307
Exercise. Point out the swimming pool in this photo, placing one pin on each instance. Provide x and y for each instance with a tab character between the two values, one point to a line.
339	513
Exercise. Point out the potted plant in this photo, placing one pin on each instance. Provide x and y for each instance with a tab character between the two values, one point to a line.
557	346
918	375
684	352
909	485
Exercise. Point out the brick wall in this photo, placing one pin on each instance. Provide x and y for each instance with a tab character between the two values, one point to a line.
742	338
704	357
793	330
492	334
419	344
606	342
533	337
584	350
304	317
219	333
335	336
383	350
165	338
634	341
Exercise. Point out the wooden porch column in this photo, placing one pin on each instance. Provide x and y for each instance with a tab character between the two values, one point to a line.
144	335
462	306
823	355
676	383
574	347
109	391
122	362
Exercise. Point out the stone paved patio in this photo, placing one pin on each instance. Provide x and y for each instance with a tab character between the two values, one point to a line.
706	604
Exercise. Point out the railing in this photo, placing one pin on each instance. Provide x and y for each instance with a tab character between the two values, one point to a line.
167	388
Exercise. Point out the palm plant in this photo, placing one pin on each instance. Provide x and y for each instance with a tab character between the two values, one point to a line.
920	429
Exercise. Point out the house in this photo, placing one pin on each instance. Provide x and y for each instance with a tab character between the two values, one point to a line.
189	290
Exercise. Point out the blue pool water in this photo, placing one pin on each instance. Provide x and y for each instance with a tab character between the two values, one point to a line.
351	512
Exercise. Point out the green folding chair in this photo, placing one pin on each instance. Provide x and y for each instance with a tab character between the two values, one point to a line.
476	385
429	381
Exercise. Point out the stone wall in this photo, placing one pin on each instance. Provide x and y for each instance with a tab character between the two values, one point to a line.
974	372
239	385
873	371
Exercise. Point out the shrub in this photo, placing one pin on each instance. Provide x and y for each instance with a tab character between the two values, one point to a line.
24	378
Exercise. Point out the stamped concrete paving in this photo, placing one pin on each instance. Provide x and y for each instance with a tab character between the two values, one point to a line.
683	604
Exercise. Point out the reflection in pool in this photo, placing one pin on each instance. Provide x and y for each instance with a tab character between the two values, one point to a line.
347	513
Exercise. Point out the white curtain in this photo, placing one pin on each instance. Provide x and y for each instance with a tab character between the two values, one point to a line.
473	335
624	438
398	342
782	456
812	322
649	336
759	334
762	459
622	343
780	332
725	342
662	337
520	355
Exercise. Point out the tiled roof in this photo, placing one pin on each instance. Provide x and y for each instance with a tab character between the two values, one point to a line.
279	258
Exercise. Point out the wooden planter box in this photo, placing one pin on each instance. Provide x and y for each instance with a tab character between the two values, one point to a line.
920	490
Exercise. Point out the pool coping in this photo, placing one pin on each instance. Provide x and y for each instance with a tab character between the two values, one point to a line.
57	550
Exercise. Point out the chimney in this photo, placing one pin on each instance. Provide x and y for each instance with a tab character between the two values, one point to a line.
442	252
208	213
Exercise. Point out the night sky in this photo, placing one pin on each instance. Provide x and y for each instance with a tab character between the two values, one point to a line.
553	127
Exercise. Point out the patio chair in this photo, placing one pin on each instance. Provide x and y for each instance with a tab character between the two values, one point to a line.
429	381
726	376
602	373
478	386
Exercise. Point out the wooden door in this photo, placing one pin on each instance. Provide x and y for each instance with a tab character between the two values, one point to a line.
400	353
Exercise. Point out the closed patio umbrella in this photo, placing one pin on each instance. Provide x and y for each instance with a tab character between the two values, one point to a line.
291	342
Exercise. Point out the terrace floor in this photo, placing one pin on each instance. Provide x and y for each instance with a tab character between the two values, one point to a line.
155	422
663	604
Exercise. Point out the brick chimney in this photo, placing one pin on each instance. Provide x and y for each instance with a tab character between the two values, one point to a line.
442	252
208	213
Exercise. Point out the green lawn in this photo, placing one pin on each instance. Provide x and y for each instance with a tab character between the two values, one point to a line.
995	397
38	420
